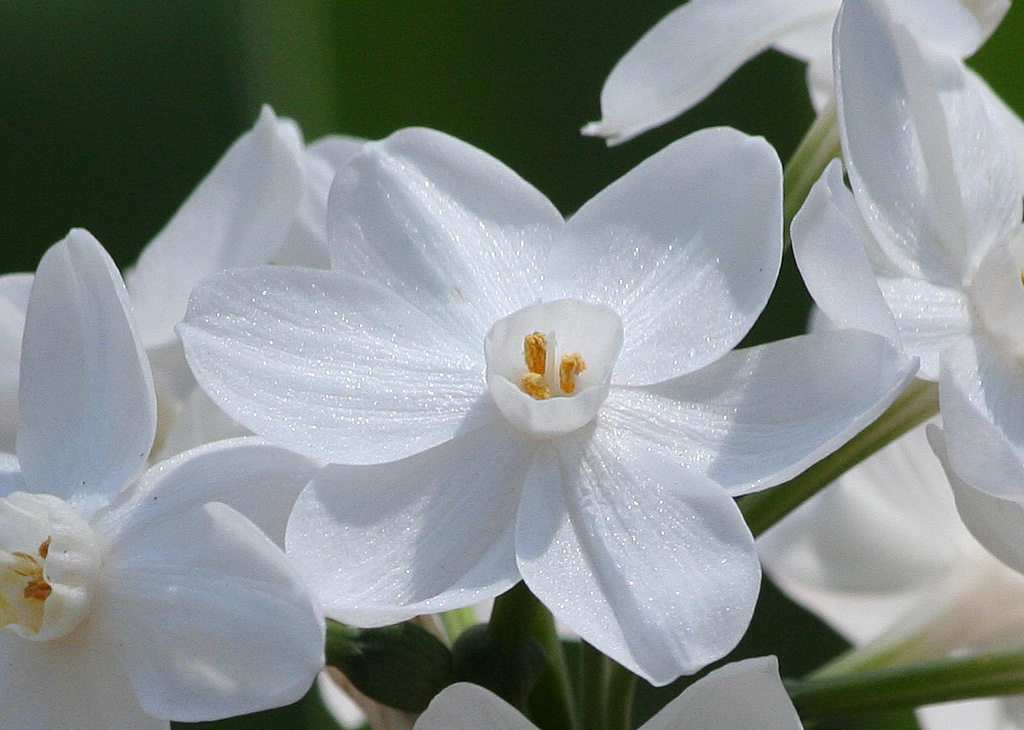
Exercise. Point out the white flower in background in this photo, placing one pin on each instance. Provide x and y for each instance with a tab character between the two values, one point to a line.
124	597
744	695
265	200
696	47
884	558
927	249
511	395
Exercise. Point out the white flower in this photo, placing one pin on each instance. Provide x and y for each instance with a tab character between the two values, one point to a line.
265	200
744	695
127	598
458	296
696	47
927	249
884	558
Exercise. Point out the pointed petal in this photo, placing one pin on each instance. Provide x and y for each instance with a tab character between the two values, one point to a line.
744	695
701	221
74	682
624	546
688	54
422	535
762	415
211	619
446	226
87	407
981	396
465	706
332	366
14	291
257	479
237	216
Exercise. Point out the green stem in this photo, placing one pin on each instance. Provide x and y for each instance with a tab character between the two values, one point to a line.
551	704
913	685
818	147
621	689
594	689
919	402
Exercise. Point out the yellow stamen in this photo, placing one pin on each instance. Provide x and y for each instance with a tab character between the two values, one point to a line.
570	369
534	384
23	589
535	352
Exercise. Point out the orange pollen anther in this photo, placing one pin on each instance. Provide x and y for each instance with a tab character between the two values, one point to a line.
570	369
535	354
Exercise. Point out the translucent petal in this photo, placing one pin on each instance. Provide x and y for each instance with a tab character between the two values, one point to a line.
465	706
87	407
14	291
422	535
624	546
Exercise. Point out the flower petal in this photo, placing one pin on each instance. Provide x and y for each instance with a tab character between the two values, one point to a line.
700	221
688	54
237	216
210	617
14	291
87	408
625	547
425	534
332	366
762	415
446	226
75	682
744	695
466	706
259	480
981	396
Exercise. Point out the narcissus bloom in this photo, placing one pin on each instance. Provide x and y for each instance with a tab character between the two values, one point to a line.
509	395
697	46
744	695
129	600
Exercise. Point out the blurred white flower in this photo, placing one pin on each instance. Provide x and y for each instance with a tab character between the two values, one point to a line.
744	695
539	398
696	47
125	598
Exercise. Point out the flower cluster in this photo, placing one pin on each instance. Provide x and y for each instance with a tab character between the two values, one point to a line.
374	382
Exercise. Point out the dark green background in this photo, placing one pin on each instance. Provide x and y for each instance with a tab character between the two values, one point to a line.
112	110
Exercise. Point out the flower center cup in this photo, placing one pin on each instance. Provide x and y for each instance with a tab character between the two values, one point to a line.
549	364
49	566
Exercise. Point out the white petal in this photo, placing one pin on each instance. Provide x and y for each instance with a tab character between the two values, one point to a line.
237	216
423	535
998	524
762	415
259	480
193	422
10	475
688	54
465	706
332	366
14	291
75	682
896	144
449	228
685	248
87	407
744	695
981	396
210	618
625	547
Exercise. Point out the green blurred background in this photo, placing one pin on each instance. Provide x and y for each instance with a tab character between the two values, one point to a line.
111	111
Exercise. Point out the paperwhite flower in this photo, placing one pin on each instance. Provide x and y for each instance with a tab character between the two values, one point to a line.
127	598
265	200
696	47
884	558
744	695
927	248
459	299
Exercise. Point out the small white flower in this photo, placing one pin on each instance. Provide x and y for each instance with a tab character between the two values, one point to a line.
696	47
537	398
744	695
125	598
